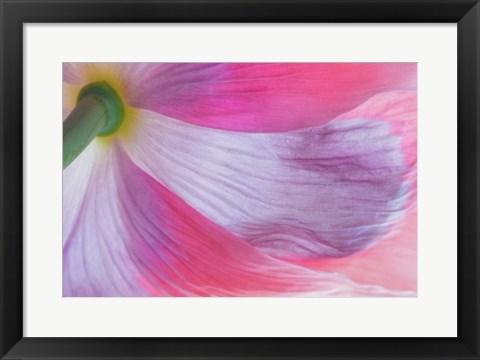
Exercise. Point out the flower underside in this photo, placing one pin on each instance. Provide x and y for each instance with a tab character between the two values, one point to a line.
225	179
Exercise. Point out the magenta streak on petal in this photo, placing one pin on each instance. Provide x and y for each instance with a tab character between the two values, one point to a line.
324	191
263	97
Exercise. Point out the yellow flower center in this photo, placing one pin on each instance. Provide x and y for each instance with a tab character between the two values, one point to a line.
98	73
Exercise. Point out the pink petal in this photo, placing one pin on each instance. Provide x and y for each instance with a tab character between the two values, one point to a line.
266	97
391	262
133	237
330	190
255	97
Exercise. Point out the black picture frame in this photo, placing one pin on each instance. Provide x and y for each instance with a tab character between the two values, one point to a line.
14	13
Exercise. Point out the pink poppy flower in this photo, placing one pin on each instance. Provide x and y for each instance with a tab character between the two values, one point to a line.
245	180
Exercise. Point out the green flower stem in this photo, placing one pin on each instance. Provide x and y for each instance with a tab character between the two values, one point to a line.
99	112
83	124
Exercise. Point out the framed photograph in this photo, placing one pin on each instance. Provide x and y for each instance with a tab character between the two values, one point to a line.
249	180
